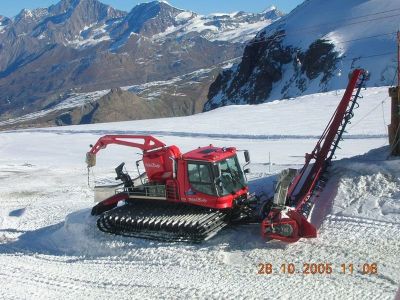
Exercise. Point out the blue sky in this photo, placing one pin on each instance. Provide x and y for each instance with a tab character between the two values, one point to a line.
10	8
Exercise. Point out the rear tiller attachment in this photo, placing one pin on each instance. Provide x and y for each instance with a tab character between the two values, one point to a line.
296	193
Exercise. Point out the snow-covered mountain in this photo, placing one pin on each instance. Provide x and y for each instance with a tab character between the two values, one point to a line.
85	46
239	26
312	49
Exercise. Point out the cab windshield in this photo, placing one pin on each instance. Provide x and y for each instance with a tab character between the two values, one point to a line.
232	178
203	177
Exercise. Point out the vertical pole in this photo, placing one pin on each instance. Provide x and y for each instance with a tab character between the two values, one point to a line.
396	150
398	59
394	127
269	161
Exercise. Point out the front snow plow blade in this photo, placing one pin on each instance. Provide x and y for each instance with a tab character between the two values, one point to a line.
288	229
108	204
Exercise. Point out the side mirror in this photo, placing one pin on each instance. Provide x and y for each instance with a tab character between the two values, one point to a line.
247	171
247	156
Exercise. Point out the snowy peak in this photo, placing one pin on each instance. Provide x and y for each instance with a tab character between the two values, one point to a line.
271	8
63	21
233	27
81	23
273	13
83	11
159	20
149	19
69	18
79	6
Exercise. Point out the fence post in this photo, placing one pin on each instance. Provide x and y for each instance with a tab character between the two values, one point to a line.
394	127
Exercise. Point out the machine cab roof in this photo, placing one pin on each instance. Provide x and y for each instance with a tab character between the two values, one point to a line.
210	154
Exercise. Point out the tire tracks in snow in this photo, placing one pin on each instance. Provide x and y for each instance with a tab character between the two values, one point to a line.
366	238
79	285
362	221
197	134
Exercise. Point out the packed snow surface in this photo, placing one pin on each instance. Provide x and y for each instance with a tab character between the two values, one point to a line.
51	248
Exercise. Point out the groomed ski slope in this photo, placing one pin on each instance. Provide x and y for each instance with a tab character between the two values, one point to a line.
50	247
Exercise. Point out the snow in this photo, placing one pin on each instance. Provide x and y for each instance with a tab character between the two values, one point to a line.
230	15
92	35
79	43
184	16
271	8
27	13
50	247
244	32
230	28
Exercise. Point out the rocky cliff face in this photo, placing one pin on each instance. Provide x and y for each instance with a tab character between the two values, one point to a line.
79	46
311	50
263	66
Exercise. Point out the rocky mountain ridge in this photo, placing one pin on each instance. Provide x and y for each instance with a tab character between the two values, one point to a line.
81	46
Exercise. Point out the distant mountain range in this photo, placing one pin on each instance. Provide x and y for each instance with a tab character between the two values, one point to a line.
77	47
313	49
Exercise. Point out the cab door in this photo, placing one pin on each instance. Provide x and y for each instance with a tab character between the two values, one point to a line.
199	184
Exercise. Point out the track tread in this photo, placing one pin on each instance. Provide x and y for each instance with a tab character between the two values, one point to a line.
163	221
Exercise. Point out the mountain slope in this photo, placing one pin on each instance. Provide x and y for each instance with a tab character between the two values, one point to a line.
86	46
182	95
312	49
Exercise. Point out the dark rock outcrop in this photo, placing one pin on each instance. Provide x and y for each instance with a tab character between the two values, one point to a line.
262	66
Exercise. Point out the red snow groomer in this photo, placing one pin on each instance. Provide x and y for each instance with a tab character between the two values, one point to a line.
180	197
191	196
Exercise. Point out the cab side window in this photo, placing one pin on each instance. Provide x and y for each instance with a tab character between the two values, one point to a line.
200	178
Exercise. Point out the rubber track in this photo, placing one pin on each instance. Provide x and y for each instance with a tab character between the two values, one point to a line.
163	221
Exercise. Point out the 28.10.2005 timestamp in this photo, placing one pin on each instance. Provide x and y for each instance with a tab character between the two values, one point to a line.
318	269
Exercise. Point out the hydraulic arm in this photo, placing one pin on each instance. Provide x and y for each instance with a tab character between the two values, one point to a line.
288	222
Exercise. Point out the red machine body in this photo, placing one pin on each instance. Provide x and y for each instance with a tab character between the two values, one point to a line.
157	158
166	165
289	223
159	164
